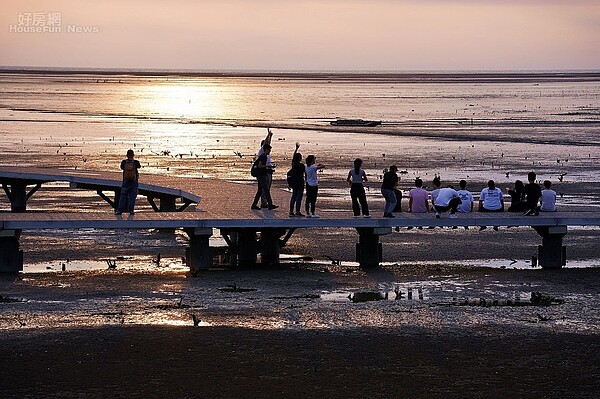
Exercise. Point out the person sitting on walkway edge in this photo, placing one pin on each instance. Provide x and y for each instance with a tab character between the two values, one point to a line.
129	187
533	193
517	197
548	199
447	199
491	199
390	181
466	198
418	198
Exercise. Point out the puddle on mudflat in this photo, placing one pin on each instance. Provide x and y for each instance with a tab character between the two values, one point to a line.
397	293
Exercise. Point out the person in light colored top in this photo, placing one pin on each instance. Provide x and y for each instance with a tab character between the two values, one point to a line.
548	199
417	198
447	199
466	197
491	199
356	177
312	185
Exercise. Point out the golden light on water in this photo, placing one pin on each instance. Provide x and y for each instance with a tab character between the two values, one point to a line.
200	100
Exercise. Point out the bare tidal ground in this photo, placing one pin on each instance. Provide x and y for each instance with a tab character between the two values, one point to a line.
275	333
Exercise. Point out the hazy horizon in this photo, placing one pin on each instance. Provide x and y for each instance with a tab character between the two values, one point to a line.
330	35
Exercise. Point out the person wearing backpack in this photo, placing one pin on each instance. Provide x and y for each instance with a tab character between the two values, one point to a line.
129	187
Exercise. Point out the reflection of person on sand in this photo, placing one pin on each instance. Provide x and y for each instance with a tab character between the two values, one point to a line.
390	181
356	177
295	180
517	197
312	185
129	187
533	192
417	198
548	199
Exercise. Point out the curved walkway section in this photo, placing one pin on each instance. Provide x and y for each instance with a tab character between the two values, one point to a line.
15	181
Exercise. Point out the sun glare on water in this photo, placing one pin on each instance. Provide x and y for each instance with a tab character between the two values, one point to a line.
196	101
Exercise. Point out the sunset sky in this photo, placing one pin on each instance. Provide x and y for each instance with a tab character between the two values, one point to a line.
303	35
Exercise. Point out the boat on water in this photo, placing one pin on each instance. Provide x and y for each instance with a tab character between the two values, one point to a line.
355	122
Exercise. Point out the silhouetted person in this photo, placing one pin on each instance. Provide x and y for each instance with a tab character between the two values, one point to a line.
129	187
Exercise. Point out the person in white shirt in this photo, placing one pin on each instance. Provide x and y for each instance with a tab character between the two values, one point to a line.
446	199
491	199
312	185
548	198
466	197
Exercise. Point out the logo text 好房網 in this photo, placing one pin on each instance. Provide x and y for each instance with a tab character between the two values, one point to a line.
47	22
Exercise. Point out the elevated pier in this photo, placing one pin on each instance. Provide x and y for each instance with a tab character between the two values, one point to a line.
226	208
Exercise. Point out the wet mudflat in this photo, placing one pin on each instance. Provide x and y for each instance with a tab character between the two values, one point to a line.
278	333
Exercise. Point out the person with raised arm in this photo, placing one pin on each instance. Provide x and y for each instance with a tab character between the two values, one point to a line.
312	185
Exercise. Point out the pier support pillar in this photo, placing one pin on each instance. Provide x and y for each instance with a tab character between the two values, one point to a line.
270	245
11	257
369	251
17	194
242	246
552	254
167	204
198	255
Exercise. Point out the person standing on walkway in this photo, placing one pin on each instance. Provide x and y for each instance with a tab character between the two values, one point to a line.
295	180
390	181
129	187
356	177
261	151
312	185
264	191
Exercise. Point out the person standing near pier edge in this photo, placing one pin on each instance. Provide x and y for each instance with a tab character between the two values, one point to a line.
312	185
129	187
295	180
355	179
390	181
264	191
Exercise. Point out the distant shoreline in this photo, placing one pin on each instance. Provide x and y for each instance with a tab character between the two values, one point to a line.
360	76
